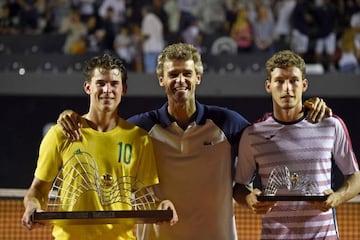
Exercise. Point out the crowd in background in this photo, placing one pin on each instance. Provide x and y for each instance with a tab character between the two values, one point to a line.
323	31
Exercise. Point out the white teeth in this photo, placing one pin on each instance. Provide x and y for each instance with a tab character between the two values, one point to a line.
180	88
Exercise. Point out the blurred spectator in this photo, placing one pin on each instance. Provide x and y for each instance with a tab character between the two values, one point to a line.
241	31
95	35
283	10
153	38
186	15
76	32
118	7
43	17
355	20
135	30
348	61
6	24
253	7
302	20
346	9
134	10
86	8
211	15
107	25
355	26
173	13
124	46
56	11
157	7
192	35
231	14
325	17
264	31
29	16
59	9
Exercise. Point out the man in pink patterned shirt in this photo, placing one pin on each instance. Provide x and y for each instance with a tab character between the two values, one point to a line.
286	139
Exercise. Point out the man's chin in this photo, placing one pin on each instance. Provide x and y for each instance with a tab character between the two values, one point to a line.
287	106
183	98
107	108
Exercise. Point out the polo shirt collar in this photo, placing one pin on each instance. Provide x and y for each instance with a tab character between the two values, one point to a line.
165	119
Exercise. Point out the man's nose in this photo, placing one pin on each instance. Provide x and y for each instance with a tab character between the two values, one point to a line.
107	87
181	78
287	86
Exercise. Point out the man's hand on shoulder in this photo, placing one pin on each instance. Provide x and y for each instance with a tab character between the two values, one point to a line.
70	123
317	109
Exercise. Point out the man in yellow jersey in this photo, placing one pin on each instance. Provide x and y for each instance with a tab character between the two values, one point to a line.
119	149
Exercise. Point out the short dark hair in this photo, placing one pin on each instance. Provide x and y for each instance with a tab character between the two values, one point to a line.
285	59
106	61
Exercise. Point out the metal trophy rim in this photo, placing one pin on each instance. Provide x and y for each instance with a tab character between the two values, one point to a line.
317	198
102	217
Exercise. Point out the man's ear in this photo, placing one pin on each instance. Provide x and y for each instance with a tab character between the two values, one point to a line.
86	86
267	86
161	83
124	90
305	84
198	81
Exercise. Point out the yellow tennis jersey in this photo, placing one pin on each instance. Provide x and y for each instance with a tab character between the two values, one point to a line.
102	163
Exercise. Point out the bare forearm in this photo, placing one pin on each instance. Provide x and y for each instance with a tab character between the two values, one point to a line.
350	188
36	196
34	200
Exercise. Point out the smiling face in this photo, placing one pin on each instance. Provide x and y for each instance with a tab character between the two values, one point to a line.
286	86
105	89
179	80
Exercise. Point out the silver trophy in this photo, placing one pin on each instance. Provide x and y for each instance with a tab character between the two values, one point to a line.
290	186
79	178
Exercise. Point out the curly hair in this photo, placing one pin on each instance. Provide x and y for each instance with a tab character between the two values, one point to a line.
285	59
179	51
106	62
